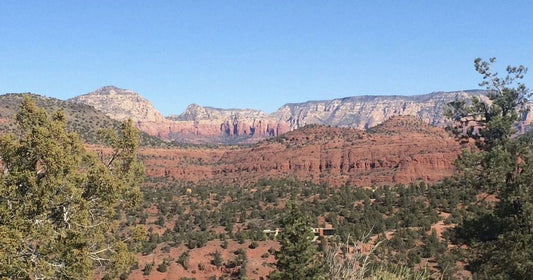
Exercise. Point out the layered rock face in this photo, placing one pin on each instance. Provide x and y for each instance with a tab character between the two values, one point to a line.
203	125
401	150
245	125
363	112
198	125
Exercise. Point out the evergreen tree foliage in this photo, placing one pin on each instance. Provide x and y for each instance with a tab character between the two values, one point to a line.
298	257
500	233
58	202
218	261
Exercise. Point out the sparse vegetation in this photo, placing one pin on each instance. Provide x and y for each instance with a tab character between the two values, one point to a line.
413	231
81	119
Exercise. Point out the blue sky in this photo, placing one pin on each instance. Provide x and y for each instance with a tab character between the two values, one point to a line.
256	54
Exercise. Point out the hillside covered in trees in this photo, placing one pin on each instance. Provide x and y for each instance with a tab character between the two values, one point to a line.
82	119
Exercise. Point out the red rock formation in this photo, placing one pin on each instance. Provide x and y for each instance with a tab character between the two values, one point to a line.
401	150
218	132
200	124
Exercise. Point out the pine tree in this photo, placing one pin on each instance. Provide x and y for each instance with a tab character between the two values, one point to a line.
500	235
58	202
298	257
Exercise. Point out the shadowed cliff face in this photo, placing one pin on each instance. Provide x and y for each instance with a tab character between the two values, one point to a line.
207	125
401	150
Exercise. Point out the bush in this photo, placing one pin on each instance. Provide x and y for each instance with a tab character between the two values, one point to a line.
163	266
183	260
253	245
217	259
148	269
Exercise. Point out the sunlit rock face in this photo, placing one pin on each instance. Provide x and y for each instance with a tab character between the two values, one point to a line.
404	149
121	104
363	112
208	125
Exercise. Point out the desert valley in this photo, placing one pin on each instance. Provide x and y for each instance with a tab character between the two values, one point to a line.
266	140
364	141
218	179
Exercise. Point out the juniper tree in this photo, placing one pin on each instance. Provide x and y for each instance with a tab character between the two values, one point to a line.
501	236
58	202
298	257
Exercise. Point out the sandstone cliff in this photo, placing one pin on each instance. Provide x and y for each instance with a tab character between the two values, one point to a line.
241	125
363	112
200	124
402	150
120	104
196	125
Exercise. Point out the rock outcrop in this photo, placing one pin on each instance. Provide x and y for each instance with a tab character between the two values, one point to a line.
198	125
362	112
401	150
208	125
120	104
245	125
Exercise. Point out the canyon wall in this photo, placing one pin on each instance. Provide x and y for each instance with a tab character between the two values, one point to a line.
402	150
208	125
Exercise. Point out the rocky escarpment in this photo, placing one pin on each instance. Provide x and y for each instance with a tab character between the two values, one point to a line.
363	112
196	112
227	124
82	119
120	104
402	150
198	124
359	112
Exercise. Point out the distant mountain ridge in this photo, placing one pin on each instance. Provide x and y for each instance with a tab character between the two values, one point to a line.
120	104
195	112
199	124
83	119
401	150
363	112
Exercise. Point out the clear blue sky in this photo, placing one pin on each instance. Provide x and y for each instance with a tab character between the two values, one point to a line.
256	54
